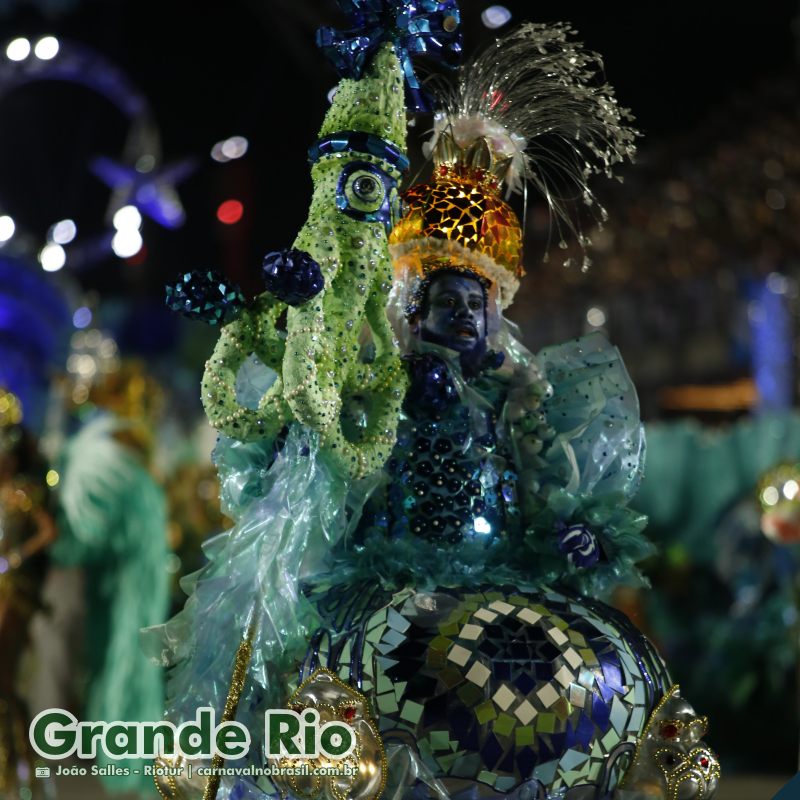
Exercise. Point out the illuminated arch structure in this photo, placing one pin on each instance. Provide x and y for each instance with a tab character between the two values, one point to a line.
141	180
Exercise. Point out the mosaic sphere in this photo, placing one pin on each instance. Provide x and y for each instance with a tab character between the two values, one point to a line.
501	690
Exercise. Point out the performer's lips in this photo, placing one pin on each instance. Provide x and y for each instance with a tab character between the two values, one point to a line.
466	330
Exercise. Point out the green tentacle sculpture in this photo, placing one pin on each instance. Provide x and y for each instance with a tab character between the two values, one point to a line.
320	360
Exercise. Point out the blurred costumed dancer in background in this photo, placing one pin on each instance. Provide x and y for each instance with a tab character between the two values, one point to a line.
34	318
26	530
425	558
112	520
725	505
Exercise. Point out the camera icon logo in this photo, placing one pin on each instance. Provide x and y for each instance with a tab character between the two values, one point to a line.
42	772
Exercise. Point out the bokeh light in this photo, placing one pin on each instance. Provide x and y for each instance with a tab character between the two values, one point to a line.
46	48
18	49
7	228
770	496
230	212
235	147
127	242
145	163
82	317
596	317
127	218
495	16
229	149
52	257
63	232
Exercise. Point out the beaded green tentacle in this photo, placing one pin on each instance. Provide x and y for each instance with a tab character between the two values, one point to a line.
321	362
253	332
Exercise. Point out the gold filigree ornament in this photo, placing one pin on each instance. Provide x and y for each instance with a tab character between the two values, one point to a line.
688	775
361	775
671	762
173	781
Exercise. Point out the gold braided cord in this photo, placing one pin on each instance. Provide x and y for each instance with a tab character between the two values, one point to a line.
241	663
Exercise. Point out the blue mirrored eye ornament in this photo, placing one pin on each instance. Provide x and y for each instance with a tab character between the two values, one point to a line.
366	193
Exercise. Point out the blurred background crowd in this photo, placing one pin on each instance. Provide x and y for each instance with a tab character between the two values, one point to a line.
142	139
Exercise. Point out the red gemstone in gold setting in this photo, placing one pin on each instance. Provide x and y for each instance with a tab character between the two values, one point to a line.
669	730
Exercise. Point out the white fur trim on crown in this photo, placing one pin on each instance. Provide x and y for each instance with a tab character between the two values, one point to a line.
507	283
503	143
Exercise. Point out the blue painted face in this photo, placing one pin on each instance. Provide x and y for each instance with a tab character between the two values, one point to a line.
455	313
366	193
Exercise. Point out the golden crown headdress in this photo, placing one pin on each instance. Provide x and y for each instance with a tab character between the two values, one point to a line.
527	110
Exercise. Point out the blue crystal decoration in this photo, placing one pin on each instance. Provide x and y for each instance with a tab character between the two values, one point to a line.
414	27
431	385
205	297
358	142
580	545
292	276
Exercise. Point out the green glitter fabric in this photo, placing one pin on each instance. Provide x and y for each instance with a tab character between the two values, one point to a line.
284	461
374	104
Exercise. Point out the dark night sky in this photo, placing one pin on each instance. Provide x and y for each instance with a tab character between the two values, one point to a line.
250	68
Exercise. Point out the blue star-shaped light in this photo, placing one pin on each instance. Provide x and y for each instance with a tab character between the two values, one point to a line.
153	192
430	27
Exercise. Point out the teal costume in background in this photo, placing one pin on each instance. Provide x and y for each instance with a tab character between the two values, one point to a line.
740	653
113	524
695	475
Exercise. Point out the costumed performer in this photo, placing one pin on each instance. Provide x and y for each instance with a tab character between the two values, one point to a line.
483	679
112	520
27	528
511	475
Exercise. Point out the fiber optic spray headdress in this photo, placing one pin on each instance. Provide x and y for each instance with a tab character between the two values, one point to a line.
527	110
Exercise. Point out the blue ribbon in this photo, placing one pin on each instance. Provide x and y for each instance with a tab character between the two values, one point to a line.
358	142
414	27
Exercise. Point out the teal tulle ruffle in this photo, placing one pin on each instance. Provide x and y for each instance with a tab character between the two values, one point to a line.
289	510
599	444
